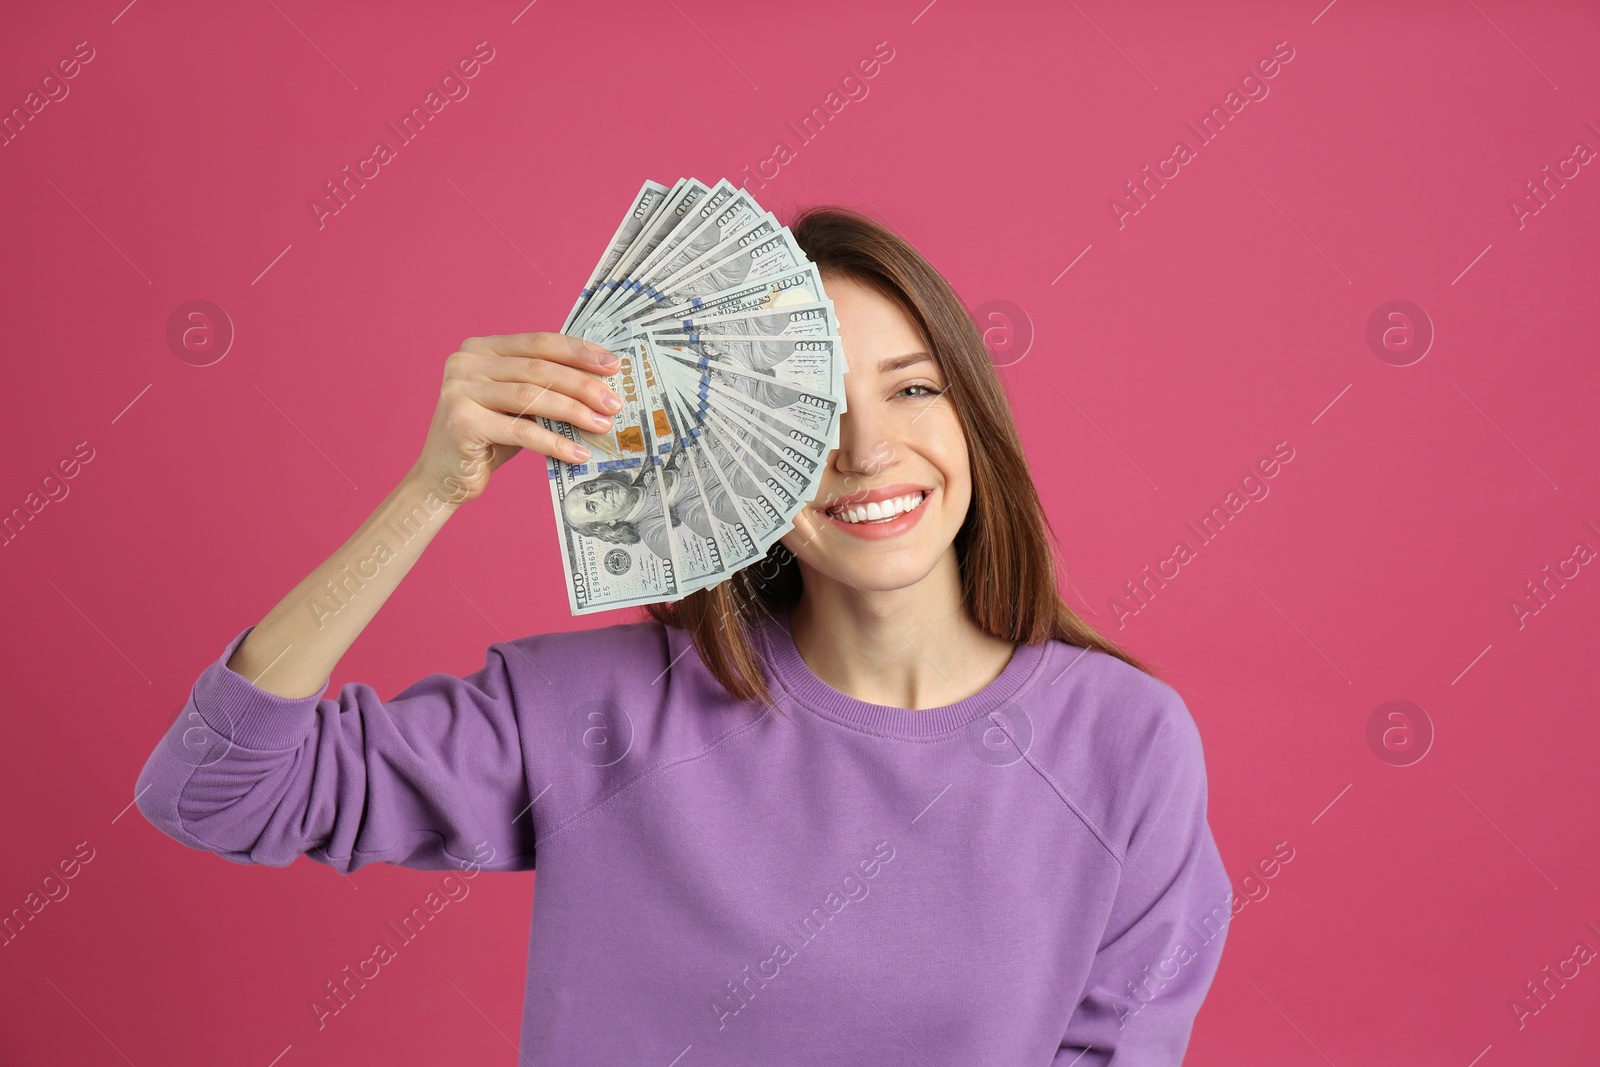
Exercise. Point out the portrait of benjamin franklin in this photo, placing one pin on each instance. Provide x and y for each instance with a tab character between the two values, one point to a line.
624	507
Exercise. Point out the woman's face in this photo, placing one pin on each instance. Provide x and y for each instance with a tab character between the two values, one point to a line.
599	500
898	437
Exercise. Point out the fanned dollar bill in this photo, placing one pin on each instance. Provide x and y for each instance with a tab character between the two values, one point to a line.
731	372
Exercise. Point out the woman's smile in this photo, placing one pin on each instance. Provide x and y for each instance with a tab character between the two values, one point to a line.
879	513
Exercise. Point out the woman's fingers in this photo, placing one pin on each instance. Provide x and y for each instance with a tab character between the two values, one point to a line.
494	391
522	432
511	380
527	399
584	385
556	347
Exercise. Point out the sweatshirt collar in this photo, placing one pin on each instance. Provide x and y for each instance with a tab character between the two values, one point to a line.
792	674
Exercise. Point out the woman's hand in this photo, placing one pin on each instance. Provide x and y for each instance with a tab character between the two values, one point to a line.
494	387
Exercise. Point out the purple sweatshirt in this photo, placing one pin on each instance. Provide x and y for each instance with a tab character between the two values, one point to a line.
1024	878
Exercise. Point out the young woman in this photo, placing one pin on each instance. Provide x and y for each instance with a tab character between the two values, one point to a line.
881	797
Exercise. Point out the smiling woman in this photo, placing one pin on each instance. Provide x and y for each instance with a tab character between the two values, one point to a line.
899	678
929	434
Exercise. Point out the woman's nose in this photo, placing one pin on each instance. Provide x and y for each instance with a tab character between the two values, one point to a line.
865	446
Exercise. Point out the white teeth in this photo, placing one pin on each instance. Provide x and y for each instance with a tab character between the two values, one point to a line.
878	509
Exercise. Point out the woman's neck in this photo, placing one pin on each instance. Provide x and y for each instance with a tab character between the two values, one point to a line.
912	648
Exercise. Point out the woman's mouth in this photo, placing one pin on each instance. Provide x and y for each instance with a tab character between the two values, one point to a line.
881	518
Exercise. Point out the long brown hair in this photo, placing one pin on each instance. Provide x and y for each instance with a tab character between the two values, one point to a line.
1006	546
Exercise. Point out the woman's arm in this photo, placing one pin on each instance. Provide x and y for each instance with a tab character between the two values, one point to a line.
1163	941
492	387
259	768
435	777
292	652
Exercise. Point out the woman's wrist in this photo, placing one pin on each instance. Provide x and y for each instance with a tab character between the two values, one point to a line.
428	489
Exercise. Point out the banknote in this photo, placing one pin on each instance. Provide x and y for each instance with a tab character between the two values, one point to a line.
683	203
814	319
731	369
812	363
774	400
715	512
645	297
798	286
764	250
614	533
725	212
645	205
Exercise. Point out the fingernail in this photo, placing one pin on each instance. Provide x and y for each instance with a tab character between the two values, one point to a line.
581	452
598	356
612	404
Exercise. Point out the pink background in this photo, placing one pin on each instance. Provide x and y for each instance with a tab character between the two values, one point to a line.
1229	314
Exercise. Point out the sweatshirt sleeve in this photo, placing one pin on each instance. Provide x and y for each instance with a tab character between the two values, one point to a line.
1163	940
433	779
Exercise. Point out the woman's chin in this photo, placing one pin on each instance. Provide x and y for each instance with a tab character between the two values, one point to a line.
885	574
864	563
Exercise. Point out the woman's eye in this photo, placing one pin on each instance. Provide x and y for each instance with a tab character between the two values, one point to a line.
927	390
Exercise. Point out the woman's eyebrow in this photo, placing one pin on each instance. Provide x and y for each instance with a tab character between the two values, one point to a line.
894	363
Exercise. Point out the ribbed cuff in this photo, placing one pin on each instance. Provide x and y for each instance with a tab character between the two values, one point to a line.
247	716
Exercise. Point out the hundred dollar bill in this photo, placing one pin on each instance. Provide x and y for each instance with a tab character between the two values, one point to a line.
753	509
683	206
768	400
611	518
783	456
700	554
734	524
749	257
723	196
793	469
645	204
686	218
811	363
737	216
765	501
750	517
718	409
679	210
613	533
660	292
813	319
731	371
811	370
625	440
798	286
